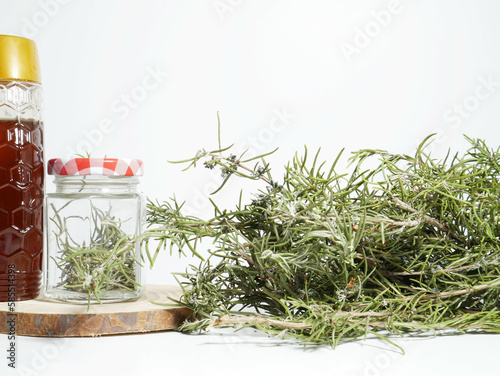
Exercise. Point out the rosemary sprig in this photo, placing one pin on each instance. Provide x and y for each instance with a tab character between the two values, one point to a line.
410	245
107	263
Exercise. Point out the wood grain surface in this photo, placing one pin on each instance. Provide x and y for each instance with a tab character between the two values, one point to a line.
42	317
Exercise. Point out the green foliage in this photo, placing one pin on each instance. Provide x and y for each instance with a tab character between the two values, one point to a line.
106	264
410	245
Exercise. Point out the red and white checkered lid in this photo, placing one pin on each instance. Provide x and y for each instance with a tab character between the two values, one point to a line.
96	166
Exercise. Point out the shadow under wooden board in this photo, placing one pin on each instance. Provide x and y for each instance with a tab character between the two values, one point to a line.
42	317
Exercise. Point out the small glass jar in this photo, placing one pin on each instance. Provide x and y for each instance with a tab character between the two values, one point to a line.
92	222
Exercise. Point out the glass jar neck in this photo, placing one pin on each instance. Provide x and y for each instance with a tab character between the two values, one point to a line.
96	184
24	100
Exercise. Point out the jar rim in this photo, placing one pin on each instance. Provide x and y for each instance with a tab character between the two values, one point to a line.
95	166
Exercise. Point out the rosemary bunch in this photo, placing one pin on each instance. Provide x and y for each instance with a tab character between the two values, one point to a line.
410	245
107	263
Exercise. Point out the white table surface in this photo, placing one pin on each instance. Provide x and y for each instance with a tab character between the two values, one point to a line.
248	352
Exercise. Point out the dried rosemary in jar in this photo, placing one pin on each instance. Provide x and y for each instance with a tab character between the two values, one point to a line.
91	223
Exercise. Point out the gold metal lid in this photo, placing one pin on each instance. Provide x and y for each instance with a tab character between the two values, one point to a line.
18	59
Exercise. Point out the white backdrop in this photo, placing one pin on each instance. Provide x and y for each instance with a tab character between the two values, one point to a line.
145	79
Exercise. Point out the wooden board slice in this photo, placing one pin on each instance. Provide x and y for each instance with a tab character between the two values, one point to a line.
42	317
